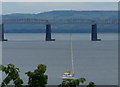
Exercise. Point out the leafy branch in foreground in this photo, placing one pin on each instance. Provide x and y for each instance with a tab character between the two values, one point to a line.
12	74
37	78
75	83
72	83
91	84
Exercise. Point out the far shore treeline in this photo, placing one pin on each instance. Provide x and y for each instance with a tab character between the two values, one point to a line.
66	28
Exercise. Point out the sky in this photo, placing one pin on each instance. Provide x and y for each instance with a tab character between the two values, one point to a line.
38	7
60	0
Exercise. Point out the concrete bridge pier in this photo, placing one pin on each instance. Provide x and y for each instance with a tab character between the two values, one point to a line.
94	33
2	33
48	33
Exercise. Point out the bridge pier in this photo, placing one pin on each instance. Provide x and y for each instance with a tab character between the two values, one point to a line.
94	33
48	33
2	33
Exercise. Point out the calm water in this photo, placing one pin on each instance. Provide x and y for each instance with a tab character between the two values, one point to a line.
95	60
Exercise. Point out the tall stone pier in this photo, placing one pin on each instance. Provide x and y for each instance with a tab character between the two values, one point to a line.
94	33
48	33
2	33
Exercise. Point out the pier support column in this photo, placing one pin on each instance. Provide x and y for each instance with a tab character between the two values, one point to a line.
2	33
48	33
94	33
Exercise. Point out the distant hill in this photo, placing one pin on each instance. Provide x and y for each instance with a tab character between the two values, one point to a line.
96	15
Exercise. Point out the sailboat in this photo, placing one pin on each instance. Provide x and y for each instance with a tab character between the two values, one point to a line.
69	75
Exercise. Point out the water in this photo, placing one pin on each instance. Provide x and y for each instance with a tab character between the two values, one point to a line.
95	60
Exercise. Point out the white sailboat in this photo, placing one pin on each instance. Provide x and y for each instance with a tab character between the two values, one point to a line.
69	75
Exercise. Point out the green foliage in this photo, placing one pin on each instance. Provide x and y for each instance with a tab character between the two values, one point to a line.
82	80
12	74
75	83
72	83
91	84
37	78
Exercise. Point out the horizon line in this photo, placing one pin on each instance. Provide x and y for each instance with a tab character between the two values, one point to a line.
54	10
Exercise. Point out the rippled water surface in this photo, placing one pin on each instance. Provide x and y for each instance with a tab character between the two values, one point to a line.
95	60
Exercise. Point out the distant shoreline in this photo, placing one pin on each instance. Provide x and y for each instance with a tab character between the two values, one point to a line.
61	10
64	33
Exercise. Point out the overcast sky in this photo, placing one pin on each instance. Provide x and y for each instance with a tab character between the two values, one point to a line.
37	7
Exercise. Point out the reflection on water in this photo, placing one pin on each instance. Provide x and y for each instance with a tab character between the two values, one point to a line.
59	36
